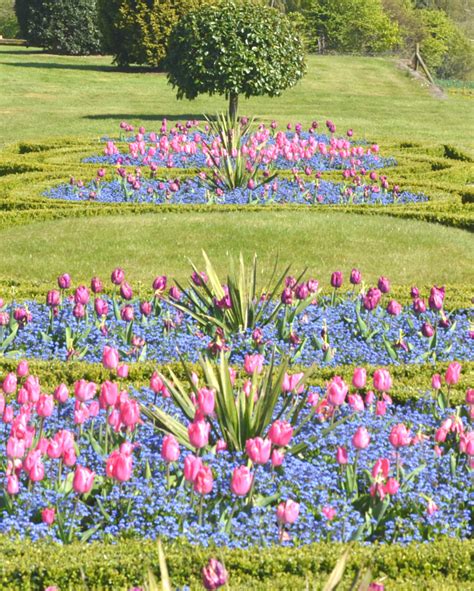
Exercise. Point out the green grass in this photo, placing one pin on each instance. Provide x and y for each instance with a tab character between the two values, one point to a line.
406	251
44	95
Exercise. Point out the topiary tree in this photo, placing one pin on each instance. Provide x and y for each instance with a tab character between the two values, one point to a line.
234	48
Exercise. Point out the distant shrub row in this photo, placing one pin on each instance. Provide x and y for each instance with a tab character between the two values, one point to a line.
137	31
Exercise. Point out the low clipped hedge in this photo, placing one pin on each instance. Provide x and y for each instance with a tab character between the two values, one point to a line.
445	564
410	381
28	169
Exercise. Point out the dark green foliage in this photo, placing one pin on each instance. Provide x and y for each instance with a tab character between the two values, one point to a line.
61	26
232	49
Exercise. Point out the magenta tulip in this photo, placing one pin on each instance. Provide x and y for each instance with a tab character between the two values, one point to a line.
280	433
110	357
83	480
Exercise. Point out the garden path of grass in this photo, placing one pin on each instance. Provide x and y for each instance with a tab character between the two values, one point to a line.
43	95
146	245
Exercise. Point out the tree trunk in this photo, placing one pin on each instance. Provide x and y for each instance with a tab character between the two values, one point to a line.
233	105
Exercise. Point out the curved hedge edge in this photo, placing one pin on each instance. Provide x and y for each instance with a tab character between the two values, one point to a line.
409	381
442	564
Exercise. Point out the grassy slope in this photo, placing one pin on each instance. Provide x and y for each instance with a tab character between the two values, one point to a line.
67	95
146	245
46	95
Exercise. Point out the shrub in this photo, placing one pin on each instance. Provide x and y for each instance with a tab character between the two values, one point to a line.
351	26
8	22
446	50
137	31
234	48
60	26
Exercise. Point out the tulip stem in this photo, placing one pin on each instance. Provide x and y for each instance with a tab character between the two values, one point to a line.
168	475
201	501
76	502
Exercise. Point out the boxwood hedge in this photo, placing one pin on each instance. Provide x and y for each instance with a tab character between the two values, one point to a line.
442	565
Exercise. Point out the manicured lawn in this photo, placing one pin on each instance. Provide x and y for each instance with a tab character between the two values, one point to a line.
147	245
44	95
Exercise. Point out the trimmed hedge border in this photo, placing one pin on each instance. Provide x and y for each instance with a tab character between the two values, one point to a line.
409	380
27	169
445	564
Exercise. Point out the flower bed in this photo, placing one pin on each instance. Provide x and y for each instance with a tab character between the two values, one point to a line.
131	189
338	464
361	326
192	145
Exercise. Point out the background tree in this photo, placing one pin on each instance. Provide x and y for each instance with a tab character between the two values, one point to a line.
137	31
60	26
234	48
348	26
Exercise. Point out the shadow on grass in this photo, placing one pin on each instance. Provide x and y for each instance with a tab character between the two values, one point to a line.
149	117
80	67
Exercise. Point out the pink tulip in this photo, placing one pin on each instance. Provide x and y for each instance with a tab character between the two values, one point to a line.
10	383
277	458
119	466
84	390
356	402
341	456
122	371
48	516
436	382
329	513
287	512
361	438
192	465
359	378
280	433
108	394
83	480
470	396
253	363
290	383
198	433
45	405
156	383
399	436
392	486
170	449
380	408
130	413
204	481
452	373
241	482
258	450
110	358
101	307
382	380
206	401
13	485
431	507
22	369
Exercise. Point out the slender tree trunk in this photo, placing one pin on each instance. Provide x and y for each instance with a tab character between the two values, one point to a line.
233	105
